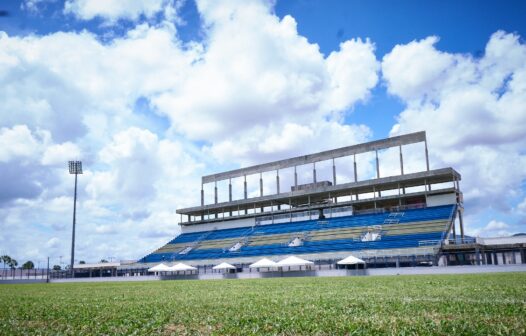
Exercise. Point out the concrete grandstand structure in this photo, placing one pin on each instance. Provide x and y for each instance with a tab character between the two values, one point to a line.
401	219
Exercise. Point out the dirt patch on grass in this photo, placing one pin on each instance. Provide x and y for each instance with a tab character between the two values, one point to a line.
34	324
181	329
174	329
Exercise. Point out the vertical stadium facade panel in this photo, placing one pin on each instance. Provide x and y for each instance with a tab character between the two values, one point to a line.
404	215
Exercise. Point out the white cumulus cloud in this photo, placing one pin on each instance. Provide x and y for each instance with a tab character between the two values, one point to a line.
114	10
258	72
252	90
472	110
494	228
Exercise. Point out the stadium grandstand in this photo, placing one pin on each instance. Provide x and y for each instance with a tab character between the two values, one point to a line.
400	219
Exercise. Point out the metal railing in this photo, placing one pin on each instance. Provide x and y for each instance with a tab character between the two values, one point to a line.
429	242
460	241
20	274
298	216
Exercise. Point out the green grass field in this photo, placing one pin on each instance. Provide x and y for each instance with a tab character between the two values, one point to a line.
490	304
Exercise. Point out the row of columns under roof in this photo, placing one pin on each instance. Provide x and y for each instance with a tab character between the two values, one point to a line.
245	189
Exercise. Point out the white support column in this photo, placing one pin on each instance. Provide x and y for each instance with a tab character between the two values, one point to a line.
215	192
277	181
355	172
295	177
399	198
333	172
374	196
245	192
277	186
378	171
461	222
260	184
262	209
427	156
230	190
377	165
215	196
454	231
401	161
230	194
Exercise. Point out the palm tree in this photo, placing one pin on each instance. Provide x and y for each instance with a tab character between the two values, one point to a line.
28	265
13	263
5	259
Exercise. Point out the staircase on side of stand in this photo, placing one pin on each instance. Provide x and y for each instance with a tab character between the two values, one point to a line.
196	243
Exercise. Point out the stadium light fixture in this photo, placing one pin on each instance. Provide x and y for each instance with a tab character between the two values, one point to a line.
75	167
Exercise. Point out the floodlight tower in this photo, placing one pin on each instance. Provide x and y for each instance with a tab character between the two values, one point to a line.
75	167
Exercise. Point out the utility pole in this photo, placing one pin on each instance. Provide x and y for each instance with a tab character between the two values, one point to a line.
75	167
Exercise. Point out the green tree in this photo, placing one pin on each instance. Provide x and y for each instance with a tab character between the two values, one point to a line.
57	268
28	265
6	260
13	263
82	262
103	261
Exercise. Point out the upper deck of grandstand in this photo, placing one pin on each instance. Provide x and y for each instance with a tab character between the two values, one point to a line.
386	191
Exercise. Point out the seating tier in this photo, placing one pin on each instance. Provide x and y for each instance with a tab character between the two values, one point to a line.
329	235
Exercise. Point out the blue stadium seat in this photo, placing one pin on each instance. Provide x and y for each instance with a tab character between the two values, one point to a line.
319	246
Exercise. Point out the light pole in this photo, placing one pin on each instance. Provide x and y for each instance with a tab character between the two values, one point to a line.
75	167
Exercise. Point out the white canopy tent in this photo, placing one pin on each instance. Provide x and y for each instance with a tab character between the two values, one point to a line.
263	263
182	267
160	268
351	260
224	266
294	261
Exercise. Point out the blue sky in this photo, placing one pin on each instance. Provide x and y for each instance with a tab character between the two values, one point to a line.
151	95
463	27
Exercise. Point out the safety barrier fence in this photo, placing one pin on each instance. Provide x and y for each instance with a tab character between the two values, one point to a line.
20	274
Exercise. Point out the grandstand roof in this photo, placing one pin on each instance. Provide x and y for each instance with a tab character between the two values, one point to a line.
395	141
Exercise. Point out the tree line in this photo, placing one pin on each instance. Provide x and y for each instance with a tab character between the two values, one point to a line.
12	263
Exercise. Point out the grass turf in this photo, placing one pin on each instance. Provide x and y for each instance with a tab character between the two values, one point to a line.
488	304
